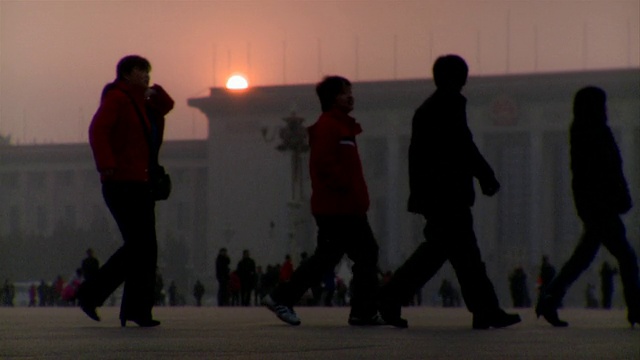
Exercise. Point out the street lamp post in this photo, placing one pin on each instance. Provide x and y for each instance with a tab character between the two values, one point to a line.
293	139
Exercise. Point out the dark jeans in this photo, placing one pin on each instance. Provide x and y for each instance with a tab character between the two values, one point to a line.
610	232
449	236
135	262
338	235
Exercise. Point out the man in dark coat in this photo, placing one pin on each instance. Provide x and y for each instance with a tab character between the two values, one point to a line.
443	160
223	275
601	195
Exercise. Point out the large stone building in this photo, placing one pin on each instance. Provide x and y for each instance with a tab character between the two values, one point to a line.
235	189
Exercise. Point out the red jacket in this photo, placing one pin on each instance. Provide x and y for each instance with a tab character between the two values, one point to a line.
337	181
116	135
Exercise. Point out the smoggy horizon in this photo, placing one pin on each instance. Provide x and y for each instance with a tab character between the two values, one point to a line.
55	56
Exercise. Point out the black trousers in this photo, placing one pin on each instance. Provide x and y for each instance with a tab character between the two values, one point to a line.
223	292
449	236
135	262
338	235
607	230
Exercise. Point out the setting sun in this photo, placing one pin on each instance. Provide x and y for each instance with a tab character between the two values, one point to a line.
237	82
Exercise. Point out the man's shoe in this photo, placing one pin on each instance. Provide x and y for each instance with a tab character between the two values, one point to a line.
283	312
375	320
498	319
546	309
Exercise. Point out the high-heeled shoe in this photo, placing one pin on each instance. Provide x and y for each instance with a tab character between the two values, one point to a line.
90	311
140	322
545	309
86	306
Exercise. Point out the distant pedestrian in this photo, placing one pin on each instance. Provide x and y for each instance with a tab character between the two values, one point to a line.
43	293
223	276
286	270
158	290
173	294
590	296
8	293
601	196
607	272
90	265
448	293
247	273
443	162
70	290
547	273
519	288
33	294
198	292
235	286
260	291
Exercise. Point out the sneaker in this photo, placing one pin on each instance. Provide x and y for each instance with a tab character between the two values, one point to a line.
283	312
375	320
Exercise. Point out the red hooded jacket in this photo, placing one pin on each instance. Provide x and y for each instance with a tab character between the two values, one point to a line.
337	181
116	135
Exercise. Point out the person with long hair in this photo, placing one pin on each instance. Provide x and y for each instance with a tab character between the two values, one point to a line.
601	196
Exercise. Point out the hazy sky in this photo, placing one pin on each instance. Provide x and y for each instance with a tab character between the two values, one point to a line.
55	56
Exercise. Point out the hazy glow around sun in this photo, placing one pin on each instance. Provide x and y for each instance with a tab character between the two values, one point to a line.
237	82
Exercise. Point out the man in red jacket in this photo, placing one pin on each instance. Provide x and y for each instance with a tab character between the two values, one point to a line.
125	138
339	203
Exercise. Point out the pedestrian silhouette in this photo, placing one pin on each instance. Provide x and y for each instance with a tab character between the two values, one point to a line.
601	195
223	275
443	160
247	273
547	273
90	266
125	135
518	288
339	204
607	272
590	296
198	292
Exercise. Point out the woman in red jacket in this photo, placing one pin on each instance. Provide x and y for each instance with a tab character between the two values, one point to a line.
125	138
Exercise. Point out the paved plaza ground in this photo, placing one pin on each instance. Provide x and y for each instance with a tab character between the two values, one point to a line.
255	333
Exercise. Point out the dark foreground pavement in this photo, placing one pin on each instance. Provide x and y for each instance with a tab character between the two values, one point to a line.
255	333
